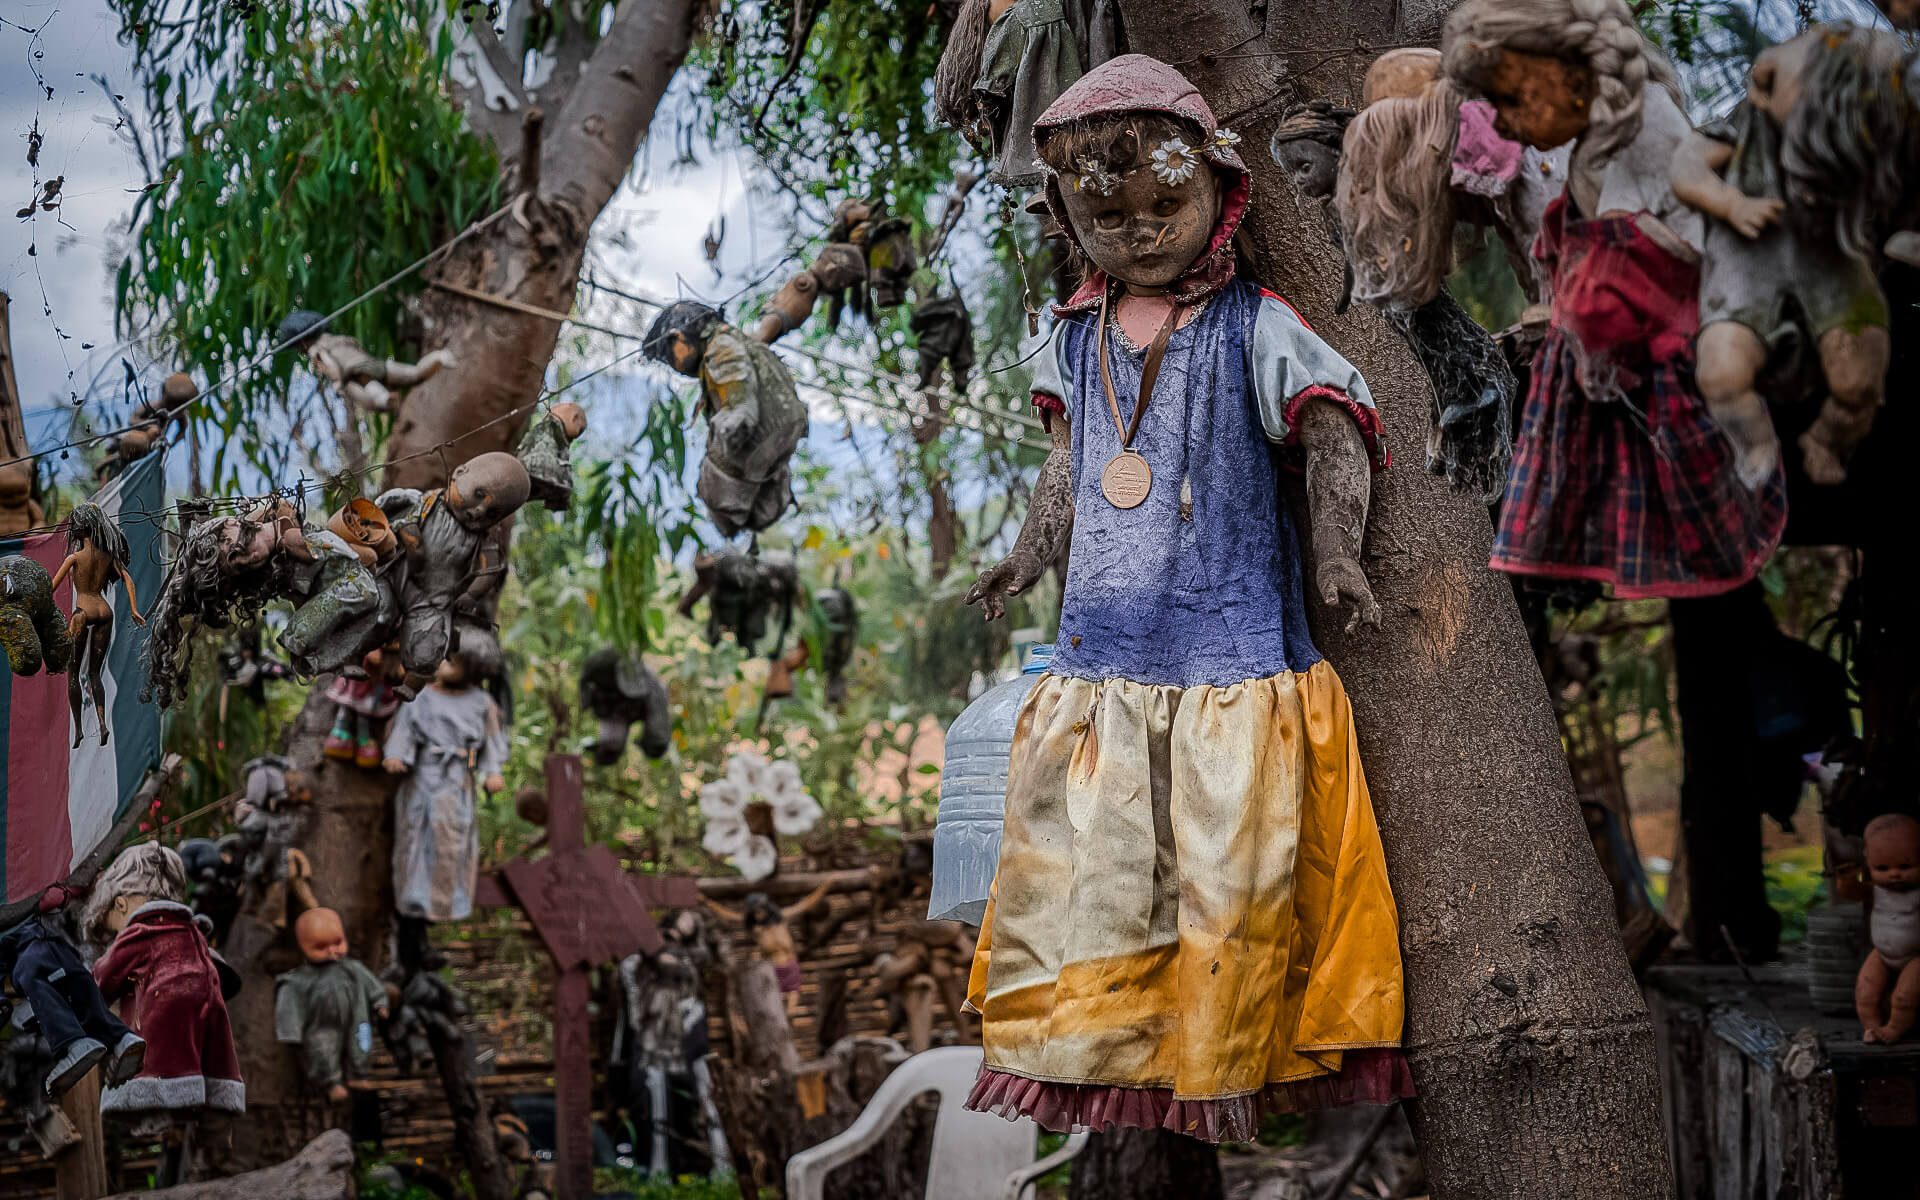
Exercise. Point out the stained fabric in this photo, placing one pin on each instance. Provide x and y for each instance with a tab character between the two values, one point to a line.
327	1009
450	741
162	973
1620	475
755	420
1191	897
1484	163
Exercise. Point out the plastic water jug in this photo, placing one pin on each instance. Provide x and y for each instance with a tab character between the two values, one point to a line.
973	796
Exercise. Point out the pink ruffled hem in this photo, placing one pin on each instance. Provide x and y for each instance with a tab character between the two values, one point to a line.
1374	1076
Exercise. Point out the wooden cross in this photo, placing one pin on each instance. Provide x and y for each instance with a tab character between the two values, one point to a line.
587	911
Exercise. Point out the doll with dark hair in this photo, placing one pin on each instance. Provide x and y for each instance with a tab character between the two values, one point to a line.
1802	181
754	416
96	554
1129	969
367	381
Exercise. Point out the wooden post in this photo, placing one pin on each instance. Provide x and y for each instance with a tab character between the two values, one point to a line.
81	1172
13	426
572	1056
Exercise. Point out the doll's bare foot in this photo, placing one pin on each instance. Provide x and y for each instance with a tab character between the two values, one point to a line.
1822	464
1011	576
337	1093
1343	585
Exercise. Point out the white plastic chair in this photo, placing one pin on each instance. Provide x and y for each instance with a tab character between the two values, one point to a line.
976	1156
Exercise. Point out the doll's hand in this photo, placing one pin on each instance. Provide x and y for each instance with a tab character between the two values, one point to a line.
1342	583
139	620
394	766
494	784
337	1093
1011	576
1750	215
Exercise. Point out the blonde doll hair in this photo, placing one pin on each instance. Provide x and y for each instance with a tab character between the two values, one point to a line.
1600	33
1395	196
148	869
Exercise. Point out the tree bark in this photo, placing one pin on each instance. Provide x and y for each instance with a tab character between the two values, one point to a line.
322	1171
1146	1164
1529	1044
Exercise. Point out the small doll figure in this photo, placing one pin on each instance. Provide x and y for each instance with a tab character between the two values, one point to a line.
546	449
619	691
340	360
754	416
1821	129
667	1027
32	628
1886	995
771	928
50	975
742	592
361	705
162	972
842	627
19	511
444	534
1130	969
1620	474
96	553
328	1006
449	742
841	268
266	818
943	330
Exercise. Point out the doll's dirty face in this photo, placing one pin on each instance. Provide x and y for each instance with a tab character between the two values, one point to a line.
1311	167
1145	231
685	355
1540	100
572	418
321	936
486	490
243	544
1893	856
451	672
1779	75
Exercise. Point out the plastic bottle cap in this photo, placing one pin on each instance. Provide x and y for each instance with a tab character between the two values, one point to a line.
1039	658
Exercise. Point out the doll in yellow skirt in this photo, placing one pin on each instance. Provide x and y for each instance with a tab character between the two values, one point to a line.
1191	923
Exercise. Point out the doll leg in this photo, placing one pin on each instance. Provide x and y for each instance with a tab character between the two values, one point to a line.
1904	1006
1730	359
339	743
367	748
96	663
39	974
77	630
127	1051
1869	992
1855	365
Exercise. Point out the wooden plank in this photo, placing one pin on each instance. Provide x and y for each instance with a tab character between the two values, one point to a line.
1763	1135
13	427
1726	1113
81	1172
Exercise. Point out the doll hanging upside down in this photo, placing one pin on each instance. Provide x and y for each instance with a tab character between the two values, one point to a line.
1191	921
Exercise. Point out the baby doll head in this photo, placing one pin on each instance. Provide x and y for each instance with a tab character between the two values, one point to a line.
1141	178
1556	70
16	484
572	418
487	489
1395	193
322	938
148	871
1893	852
300	330
362	525
1847	137
1306	144
678	336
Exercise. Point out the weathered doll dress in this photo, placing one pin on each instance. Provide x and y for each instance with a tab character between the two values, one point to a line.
1191	921
450	741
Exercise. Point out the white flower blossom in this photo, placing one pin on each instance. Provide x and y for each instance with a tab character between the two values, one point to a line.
725	837
723	798
1225	139
751	779
1094	176
757	858
1174	161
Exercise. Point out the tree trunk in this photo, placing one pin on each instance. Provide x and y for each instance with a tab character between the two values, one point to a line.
1146	1164
322	1171
1528	1041
599	109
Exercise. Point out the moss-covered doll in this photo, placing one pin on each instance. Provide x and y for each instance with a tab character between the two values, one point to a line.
327	1007
1191	921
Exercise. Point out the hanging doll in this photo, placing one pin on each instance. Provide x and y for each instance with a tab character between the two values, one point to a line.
944	332
1886	995
619	690
340	360
444	534
1174	972
19	511
49	974
361	706
162	972
1822	131
742	591
96	552
448	742
266	819
1620	474
149	425
667	1028
842	627
840	269
754	416
546	450
771	928
32	628
327	1007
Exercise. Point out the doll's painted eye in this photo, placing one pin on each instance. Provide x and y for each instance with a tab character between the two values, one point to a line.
1113	218
1166	207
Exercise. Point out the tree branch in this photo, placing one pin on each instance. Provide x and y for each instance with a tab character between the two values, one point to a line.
486	81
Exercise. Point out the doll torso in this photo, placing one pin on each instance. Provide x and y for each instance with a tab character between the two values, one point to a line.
1896	926
1157	593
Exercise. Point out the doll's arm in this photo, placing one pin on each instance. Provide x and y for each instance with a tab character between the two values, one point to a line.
1339	481
289	1014
1049	517
1696	181
399	751
726	372
133	603
65	568
406	375
493	751
115	971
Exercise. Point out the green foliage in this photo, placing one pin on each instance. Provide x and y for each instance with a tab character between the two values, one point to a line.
317	154
1794	888
641	1186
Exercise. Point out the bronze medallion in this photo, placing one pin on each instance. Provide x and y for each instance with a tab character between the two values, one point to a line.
1127	479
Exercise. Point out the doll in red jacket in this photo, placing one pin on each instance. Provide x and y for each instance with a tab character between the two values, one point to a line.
162	972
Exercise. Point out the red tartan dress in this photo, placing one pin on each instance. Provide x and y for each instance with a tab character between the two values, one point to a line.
162	972
1619	473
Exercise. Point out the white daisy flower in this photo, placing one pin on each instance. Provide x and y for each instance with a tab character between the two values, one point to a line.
725	836
795	815
757	858
748	772
1225	139
1173	161
723	798
1094	176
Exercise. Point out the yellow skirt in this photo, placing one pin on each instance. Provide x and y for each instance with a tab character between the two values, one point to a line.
1191	899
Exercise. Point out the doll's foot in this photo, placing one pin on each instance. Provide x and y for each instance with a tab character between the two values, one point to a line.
82	1056
339	744
368	757
128	1057
1756	462
337	1093
1823	465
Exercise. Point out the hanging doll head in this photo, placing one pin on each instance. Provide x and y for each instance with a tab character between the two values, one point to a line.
1850	133
1556	70
1893	852
322	938
300	329
1306	144
148	871
487	489
678	336
365	529
1142	181
90	523
1395	192
1905	14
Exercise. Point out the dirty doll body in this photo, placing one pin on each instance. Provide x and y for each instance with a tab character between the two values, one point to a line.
1152	956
